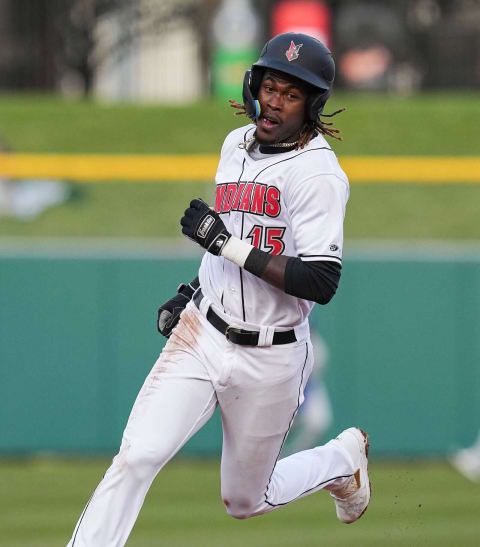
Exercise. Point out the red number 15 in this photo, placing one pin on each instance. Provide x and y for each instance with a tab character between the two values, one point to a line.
273	242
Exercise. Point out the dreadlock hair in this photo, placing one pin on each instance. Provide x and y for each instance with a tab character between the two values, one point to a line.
310	129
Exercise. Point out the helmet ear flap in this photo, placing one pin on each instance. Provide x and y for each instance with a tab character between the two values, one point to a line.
315	104
249	94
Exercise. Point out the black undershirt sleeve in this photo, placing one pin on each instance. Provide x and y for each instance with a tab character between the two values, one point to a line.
316	281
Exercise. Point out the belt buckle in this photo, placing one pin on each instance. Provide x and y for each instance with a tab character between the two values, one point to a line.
232	329
241	337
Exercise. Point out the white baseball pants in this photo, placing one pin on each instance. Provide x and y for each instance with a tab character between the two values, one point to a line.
259	390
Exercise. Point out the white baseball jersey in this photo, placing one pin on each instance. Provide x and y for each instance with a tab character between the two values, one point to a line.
291	203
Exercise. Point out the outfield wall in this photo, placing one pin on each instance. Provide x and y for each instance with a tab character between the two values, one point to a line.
78	336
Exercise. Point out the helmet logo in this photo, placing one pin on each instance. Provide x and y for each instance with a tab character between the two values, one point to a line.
292	51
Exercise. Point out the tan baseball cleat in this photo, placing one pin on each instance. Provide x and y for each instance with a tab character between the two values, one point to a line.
353	497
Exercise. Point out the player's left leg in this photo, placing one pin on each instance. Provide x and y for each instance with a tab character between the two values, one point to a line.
258	408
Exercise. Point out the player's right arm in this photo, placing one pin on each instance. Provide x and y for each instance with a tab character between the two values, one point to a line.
316	281
314	278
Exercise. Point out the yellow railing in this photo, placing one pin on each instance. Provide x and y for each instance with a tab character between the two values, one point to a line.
157	168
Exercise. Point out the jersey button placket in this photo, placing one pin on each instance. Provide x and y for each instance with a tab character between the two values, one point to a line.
236	224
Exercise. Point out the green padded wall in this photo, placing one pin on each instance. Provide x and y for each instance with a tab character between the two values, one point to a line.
78	336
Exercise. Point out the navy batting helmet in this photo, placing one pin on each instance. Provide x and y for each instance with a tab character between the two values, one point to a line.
298	55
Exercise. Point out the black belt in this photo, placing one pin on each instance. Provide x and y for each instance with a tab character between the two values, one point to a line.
240	336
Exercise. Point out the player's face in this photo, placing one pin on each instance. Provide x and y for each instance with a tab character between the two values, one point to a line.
282	102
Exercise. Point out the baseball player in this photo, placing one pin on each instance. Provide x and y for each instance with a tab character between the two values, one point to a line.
238	335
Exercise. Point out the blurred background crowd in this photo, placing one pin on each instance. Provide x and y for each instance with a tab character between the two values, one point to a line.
181	50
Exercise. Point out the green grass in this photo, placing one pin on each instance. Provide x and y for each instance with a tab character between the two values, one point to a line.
149	210
114	209
413	211
432	124
416	504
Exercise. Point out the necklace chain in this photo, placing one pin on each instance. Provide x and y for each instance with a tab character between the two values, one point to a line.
281	144
245	143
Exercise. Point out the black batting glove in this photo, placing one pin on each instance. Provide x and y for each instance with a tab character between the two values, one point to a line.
169	313
204	226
